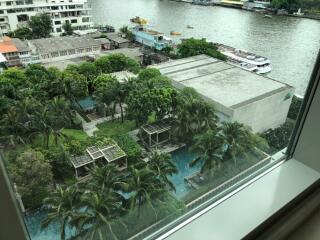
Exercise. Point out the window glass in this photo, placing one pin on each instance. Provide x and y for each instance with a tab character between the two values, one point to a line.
188	102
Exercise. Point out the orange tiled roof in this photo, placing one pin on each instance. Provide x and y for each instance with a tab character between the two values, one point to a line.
7	46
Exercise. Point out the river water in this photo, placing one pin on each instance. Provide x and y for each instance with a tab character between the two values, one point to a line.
290	43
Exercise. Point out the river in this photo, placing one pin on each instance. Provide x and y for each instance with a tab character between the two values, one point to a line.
290	43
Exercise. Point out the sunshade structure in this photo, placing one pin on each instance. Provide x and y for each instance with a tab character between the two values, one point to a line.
155	134
99	154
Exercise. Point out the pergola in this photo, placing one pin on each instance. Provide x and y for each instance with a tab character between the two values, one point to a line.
111	153
155	134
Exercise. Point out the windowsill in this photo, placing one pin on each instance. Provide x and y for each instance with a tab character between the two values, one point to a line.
237	216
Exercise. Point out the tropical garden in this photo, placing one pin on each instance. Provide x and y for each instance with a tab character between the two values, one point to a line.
40	131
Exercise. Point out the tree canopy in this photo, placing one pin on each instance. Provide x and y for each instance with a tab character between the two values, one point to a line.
191	47
40	25
33	175
68	30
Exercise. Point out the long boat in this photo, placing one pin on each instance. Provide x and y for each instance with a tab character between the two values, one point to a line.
246	60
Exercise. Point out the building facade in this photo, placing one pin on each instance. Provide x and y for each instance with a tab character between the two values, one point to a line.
63	48
17	52
237	94
150	38
15	14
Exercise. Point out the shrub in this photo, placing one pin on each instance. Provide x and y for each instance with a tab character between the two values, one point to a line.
129	146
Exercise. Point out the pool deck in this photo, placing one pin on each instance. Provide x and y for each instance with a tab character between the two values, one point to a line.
167	148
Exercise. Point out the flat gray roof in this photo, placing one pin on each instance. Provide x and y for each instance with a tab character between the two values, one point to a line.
22	46
55	44
221	82
134	53
117	39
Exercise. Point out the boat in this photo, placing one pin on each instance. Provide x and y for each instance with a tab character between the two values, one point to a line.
267	16
246	60
189	27
173	33
139	20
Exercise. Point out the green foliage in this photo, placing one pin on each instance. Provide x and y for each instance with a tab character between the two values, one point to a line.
295	108
116	63
68	30
75	85
191	47
62	204
280	3
113	128
15	76
129	146
75	147
148	73
22	33
278	138
125	30
150	94
162	165
76	134
90	71
60	162
209	146
294	5
192	115
40	25
32	174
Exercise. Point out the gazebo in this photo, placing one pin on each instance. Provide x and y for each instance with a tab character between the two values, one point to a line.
155	134
98	154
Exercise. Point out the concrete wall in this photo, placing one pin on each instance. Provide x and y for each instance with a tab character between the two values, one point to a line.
266	113
68	56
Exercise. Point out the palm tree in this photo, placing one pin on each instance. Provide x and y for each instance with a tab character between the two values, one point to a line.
145	186
107	179
122	92
238	140
193	114
62	109
46	124
101	210
62	204
209	146
163	167
205	116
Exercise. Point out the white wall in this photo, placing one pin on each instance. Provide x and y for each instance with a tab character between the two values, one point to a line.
269	112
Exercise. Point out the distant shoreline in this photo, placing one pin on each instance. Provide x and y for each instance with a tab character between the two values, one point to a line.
237	7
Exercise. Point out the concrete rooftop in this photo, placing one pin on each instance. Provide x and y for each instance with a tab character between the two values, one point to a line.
221	82
56	44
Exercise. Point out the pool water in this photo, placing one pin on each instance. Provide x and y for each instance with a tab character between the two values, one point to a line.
181	158
52	232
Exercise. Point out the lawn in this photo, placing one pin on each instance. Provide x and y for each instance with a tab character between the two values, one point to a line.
116	127
77	134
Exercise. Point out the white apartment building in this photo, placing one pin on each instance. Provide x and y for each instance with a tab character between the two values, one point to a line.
15	14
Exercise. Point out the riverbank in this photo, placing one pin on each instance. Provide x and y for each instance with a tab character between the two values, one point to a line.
236	5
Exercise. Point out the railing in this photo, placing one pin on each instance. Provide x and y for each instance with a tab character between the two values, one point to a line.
208	197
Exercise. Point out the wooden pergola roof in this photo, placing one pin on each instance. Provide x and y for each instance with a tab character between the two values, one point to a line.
158	127
109	152
80	161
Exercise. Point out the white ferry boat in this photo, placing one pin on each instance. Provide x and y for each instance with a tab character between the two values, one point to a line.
246	60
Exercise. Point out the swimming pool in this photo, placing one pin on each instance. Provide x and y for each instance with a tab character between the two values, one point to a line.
181	158
52	232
